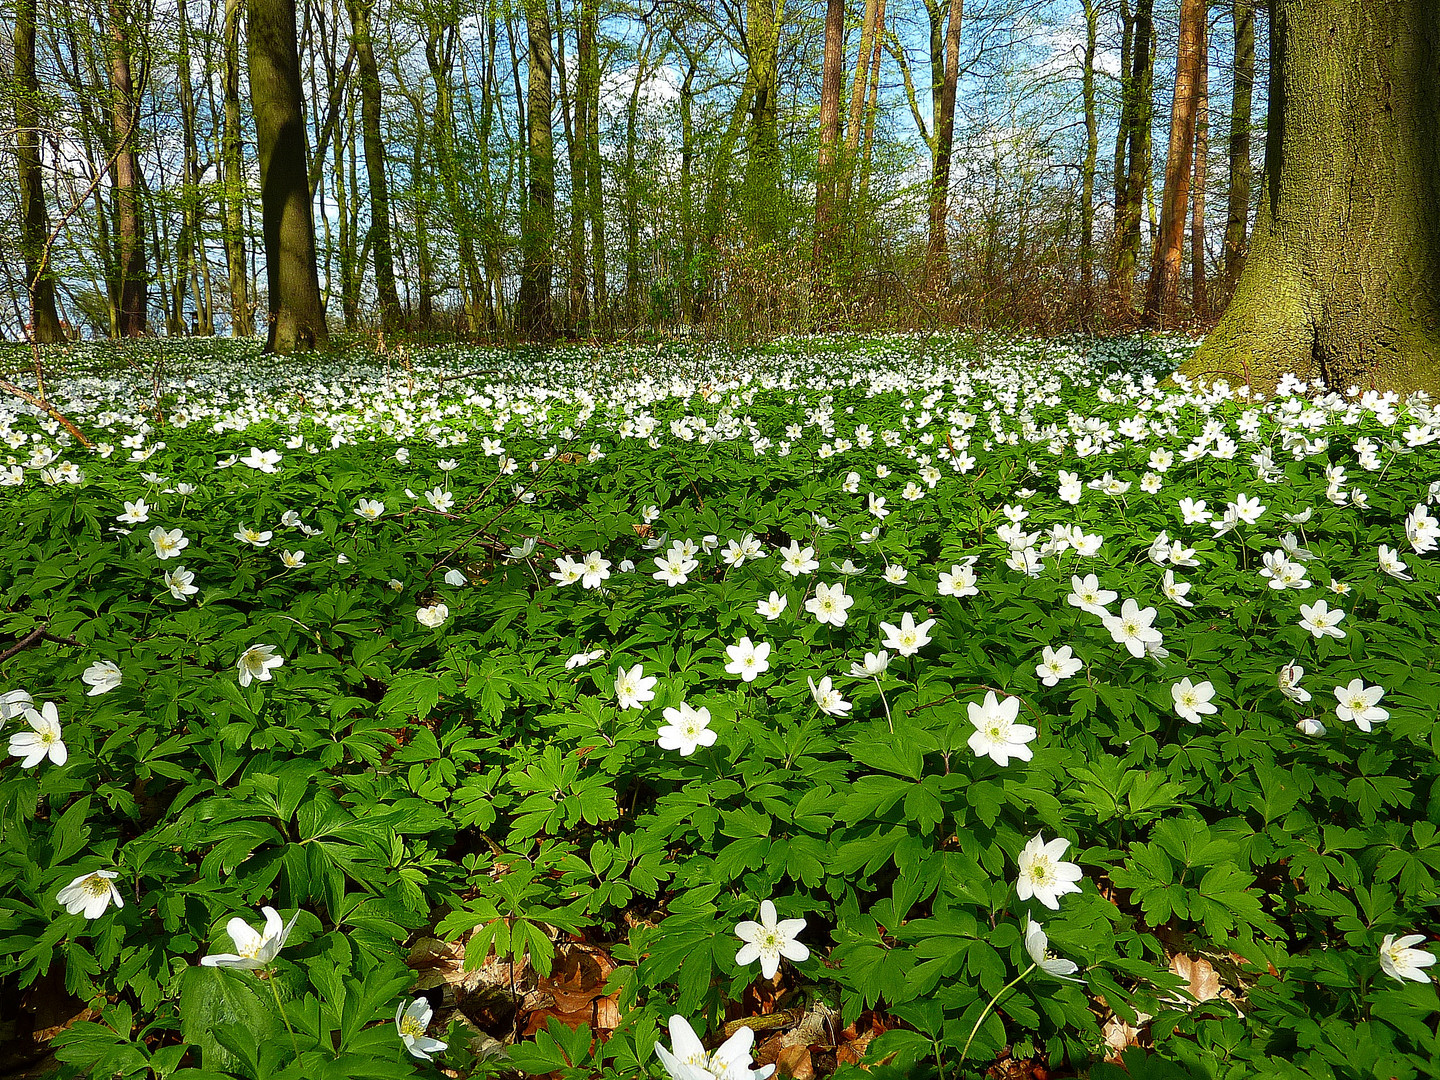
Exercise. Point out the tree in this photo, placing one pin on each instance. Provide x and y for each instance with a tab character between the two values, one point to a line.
297	314
826	166
1342	282
130	292
1168	261
34	221
537	229
937	261
1237	215
232	173
1135	118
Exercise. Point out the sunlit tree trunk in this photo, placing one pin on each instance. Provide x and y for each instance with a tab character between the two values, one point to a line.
439	54
572	113
132	284
1199	286
296	313
34	220
826	166
762	168
1167	263
371	107
232	171
1342	282
538	222
867	139
587	80
937	260
1087	174
1237	216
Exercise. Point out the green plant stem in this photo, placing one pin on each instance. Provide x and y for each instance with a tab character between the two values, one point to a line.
986	1011
275	991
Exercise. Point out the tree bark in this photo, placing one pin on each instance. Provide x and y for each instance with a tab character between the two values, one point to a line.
538	221
1139	108
587	80
1168	256
132	284
232	169
762	168
1199	286
937	260
296	313
573	106
45	325
371	107
1237	216
826	165
1087	175
1342	283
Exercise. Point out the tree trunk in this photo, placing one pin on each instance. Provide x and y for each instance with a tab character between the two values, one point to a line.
937	259
575	159
439	54
827	164
1237	217
1087	175
537	226
45	325
132	291
632	184
1167	263
1342	283
872	104
762	169
1139	106
1199	286
371	107
190	248
296	314
588	85
346	214
233	173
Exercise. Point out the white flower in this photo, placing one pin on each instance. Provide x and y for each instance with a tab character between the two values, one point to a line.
293	559
674	567
748	659
593	570
1057	664
1391	564
1360	703
896	574
773	606
101	676
253	949
180	583
410	1022
909	637
827	699
1176	590
1289	682
1132	628
1038	946
253	537
877	507
960	581
167	544
633	688
872	667
1193	512
455	578
13	703
769	940
91	893
798	560
1401	962
567	571
264	460
830	604
370	509
1192	700
256	662
580	659
43	740
688	728
1042	873
439	498
1246	509
1320	620
433	616
691	1062
135	513
1309	725
996	735
1087	595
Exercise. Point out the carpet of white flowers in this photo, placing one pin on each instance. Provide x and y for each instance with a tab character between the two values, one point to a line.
937	705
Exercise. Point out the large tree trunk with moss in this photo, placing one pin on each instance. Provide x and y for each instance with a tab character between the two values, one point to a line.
1342	282
297	314
131	292
34	221
370	112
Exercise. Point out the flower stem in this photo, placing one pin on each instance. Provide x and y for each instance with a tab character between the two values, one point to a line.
986	1011
275	990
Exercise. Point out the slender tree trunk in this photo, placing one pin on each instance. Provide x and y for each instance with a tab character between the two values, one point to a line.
826	166
762	171
233	174
632	185
296	314
34	221
858	84
872	104
538	224
1237	216
1138	98
1199	286
190	248
687	186
1342	282
346	174
1167	264
133	291
371	109
1087	175
423	259
439	54
588	87
937	259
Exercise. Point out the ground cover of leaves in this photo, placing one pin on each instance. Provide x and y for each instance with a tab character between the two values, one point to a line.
916	705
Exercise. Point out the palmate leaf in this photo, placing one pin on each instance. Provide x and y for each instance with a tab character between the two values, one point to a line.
212	998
